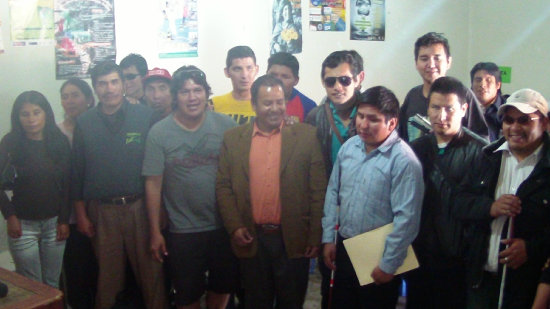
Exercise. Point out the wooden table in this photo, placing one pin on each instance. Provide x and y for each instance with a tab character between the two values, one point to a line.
25	293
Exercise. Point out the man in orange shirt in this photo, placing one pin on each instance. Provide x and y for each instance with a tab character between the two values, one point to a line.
270	190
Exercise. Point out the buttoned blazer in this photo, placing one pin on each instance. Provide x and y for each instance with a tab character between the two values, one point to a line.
302	187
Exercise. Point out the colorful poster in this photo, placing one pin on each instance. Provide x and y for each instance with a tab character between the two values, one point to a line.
328	15
287	27
85	35
178	28
368	20
31	22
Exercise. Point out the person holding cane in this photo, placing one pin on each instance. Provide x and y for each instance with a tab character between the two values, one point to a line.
510	185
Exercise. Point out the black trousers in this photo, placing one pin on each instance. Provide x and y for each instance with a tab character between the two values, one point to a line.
434	289
272	278
348	294
80	267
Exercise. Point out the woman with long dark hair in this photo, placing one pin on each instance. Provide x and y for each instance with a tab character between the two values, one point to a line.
38	213
79	263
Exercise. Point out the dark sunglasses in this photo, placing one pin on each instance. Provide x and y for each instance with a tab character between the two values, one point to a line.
130	76
186	73
343	80
525	119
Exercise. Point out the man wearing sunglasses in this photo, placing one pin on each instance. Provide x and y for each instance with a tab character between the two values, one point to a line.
439	282
432	55
134	68
341	76
505	203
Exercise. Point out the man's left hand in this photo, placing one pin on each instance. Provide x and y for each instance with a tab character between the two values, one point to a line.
311	252
515	255
380	277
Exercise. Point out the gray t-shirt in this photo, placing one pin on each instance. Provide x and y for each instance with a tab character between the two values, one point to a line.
189	162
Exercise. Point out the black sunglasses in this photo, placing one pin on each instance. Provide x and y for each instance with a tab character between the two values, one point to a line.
343	80
509	120
130	76
184	73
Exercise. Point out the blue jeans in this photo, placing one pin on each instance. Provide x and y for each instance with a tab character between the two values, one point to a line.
37	254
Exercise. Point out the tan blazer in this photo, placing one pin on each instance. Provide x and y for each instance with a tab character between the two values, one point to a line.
303	184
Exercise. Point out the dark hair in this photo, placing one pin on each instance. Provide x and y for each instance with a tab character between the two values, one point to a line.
82	86
264	80
449	85
185	73
239	52
429	39
490	67
54	140
382	99
104	68
290	15
136	60
350	57
286	59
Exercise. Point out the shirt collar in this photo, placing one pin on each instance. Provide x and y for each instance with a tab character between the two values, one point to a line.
257	131
505	147
385	146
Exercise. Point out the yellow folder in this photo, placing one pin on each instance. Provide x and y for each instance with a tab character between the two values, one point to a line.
366	250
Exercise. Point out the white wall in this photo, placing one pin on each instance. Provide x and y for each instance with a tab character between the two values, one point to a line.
505	31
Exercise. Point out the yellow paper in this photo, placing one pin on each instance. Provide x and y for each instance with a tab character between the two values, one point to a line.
366	250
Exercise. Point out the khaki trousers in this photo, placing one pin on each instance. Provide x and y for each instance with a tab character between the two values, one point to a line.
122	232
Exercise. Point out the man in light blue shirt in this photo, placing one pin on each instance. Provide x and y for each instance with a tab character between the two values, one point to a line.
376	180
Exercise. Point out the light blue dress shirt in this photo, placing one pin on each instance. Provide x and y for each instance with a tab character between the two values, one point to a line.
374	189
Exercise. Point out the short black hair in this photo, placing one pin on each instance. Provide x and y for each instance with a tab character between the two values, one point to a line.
350	57
137	60
103	68
286	59
264	80
429	39
449	85
238	52
382	99
490	67
185	73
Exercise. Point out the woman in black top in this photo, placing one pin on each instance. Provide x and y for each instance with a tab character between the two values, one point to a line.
38	213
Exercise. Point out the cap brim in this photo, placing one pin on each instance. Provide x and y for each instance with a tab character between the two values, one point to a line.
522	107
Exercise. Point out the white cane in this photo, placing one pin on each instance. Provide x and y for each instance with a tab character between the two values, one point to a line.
332	272
509	234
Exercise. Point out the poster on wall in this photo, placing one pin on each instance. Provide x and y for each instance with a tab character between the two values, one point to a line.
178	32
84	35
328	15
31	22
287	27
368	20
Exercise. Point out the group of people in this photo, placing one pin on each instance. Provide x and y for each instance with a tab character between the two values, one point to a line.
236	194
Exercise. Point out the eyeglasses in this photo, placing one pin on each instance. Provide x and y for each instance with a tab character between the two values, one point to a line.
525	119
130	76
343	80
189	73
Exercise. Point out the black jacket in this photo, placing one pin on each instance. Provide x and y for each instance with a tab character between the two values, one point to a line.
532	224
439	241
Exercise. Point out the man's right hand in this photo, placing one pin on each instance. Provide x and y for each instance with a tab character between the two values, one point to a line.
329	255
14	227
158	247
242	237
85	226
506	205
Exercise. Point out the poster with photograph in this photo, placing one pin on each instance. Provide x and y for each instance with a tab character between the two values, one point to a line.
328	15
368	20
178	31
84	35
287	27
31	22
